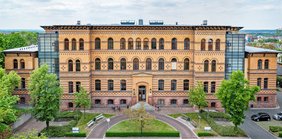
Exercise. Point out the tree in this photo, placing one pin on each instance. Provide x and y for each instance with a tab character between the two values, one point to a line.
8	82
235	95
45	94
197	96
82	99
139	115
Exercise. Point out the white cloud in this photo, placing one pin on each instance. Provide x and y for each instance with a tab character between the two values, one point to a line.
252	14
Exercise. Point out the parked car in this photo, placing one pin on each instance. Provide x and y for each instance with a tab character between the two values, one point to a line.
277	116
261	117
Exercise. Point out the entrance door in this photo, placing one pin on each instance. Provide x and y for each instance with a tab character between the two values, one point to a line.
142	93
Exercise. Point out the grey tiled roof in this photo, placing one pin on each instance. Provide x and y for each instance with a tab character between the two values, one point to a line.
251	49
31	48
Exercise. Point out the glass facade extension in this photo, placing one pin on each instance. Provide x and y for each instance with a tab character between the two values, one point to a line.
234	53
48	51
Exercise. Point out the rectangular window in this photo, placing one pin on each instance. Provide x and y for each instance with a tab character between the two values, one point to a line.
265	85
259	82
123	85
258	99
173	85
161	85
265	99
70	87
206	87
186	85
78	84
97	85
110	85
212	87
23	83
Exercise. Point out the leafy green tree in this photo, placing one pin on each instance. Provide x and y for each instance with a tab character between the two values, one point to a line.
139	115
197	96
28	135
82	99
45	94
235	95
8	82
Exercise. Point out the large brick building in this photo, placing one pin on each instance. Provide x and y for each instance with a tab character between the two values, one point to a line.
157	63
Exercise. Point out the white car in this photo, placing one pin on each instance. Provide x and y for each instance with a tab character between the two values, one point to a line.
277	116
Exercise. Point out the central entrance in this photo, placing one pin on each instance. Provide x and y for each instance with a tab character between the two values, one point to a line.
142	93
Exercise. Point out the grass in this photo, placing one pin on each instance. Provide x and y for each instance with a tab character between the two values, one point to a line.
265	125
134	126
82	122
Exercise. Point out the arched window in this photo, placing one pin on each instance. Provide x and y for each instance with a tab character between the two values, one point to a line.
206	66
174	44
213	68
110	44
217	45
154	44
213	104
122	44
97	64
161	44
210	44
161	64
122	102
186	44
110	102
130	44
81	44
22	64
185	102
70	65
110	85
266	64
77	65
66	44
145	44
173	64
173	85
73	44
173	102
148	64
138	44
123	64
97	101
70	87
23	83
203	45
97	85
97	44
161	85
110	64
186	85
15	64
136	64
259	64
123	85
70	105
22	100
186	64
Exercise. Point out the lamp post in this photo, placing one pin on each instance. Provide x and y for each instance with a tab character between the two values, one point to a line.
108	121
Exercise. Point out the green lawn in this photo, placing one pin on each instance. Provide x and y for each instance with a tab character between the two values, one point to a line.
134	126
266	124
82	122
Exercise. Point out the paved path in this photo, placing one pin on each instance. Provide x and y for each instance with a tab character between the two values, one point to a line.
99	131
32	124
253	130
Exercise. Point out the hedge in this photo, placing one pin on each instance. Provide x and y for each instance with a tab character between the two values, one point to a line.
280	134
144	134
219	115
221	130
203	133
59	131
275	128
70	134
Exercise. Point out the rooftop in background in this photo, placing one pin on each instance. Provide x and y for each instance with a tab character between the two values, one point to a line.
28	49
251	49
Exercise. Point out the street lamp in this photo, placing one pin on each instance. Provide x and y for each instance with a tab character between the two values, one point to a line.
108	121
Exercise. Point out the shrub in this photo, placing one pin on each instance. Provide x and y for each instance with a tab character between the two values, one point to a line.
68	115
280	134
275	128
144	134
204	133
70	134
219	115
59	131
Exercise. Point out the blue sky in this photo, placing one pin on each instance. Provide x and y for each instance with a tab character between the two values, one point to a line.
251	14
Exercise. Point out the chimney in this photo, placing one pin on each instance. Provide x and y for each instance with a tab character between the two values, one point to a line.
140	22
205	22
78	22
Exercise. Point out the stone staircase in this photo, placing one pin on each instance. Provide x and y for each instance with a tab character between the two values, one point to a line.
147	106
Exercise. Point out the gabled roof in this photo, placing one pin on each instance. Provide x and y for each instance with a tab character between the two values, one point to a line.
250	49
28	49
